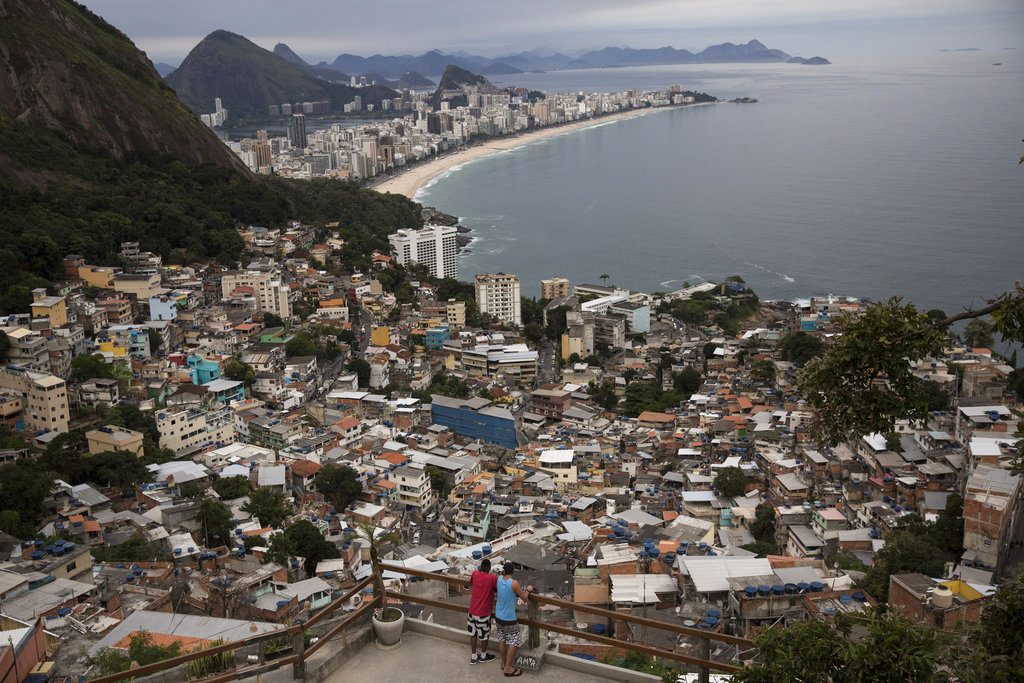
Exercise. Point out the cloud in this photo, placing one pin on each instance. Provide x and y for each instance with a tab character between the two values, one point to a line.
320	29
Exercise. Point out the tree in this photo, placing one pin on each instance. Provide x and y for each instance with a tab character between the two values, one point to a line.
229	488
304	540
362	370
238	371
376	540
994	648
603	394
272	320
156	340
979	334
300	345
339	484
799	348
135	549
730	482
215	519
687	381
5	345
936	315
438	481
763	371
268	505
1015	382
864	382
763	526
875	646
935	395
905	550
89	367
709	350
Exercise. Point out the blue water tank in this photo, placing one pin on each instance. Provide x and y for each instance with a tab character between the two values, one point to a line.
859	596
764	589
711	621
845	599
751	591
779	589
791	588
714	613
477	554
598	629
328	575
803	586
487	550
817	586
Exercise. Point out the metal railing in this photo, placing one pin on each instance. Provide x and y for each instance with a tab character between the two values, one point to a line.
297	658
703	663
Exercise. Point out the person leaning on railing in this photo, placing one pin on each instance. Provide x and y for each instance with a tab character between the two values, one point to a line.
510	633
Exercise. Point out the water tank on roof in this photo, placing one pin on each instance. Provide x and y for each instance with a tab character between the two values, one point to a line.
859	596
803	586
477	554
487	550
751	591
791	588
845	599
942	597
817	586
779	589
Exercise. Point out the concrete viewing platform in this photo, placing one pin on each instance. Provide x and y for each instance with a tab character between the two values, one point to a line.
430	652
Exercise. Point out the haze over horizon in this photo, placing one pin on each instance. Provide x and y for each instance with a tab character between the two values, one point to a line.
322	29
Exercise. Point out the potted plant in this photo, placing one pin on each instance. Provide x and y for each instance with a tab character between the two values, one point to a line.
388	622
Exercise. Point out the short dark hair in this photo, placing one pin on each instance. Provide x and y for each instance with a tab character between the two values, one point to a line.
507	569
485	566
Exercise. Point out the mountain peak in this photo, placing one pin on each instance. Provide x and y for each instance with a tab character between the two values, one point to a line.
282	50
756	45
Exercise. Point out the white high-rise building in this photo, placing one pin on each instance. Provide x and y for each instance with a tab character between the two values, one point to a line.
498	295
433	246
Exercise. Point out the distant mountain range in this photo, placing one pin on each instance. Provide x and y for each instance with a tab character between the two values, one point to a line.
248	78
435	61
409	79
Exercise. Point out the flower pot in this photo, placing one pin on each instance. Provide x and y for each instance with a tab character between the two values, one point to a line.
389	631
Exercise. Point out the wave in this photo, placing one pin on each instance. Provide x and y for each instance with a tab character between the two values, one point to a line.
785	277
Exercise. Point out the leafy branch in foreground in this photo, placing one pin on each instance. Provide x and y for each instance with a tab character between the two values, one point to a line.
865	382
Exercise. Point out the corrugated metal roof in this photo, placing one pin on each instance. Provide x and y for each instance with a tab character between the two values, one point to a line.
211	628
711	574
641	588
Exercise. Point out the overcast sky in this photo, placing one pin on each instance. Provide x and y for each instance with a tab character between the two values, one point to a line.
321	29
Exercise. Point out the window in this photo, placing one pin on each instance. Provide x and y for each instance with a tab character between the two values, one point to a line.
70	566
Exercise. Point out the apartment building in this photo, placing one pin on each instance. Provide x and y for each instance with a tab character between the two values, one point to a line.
498	295
44	399
113	438
263	287
414	489
194	429
433	246
28	349
554	288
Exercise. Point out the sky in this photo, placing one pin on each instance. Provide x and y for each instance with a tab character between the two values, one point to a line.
321	29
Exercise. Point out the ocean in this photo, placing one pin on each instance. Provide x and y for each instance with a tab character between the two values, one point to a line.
869	179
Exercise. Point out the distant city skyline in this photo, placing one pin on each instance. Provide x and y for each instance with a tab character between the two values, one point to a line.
322	29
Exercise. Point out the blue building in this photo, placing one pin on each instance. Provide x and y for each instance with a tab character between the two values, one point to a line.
475	418
226	390
203	370
436	337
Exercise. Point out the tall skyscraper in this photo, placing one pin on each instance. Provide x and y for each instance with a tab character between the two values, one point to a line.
297	130
261	150
498	294
433	246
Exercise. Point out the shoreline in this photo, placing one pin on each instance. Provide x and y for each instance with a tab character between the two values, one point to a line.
409	182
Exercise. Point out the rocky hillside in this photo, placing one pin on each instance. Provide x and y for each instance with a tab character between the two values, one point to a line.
65	72
452	81
248	78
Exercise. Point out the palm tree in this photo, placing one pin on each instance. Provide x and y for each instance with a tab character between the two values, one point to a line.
604	278
376	540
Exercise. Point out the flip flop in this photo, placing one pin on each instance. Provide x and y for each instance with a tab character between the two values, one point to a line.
515	672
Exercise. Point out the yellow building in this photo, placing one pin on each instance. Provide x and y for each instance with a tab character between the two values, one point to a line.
113	347
380	335
111	438
140	286
52	307
100	277
571	345
44	399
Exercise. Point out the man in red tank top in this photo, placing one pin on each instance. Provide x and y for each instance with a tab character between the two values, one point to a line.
482	585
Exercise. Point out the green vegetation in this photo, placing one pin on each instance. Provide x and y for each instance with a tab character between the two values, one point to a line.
883	645
339	484
730	482
918	546
132	550
799	348
444	384
238	371
268	505
304	540
726	306
1015	382
439	481
864	381
229	488
603	394
687	381
212	664
214	518
141	650
644	664
763	526
979	334
641	396
763	371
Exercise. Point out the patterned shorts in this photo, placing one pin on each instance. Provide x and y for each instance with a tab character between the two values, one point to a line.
479	627
510	634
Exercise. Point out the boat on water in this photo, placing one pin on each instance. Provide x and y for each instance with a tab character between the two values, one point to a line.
997	63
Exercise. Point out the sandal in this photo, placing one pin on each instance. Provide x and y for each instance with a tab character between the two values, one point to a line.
515	672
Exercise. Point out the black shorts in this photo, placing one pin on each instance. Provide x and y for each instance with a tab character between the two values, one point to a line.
479	627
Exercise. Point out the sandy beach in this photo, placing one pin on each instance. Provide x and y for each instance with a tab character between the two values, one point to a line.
408	182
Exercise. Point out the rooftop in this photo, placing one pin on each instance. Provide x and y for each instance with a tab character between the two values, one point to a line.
436	659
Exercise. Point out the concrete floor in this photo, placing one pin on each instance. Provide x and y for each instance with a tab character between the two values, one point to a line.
424	658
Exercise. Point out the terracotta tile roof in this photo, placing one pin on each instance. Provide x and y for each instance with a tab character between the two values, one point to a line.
188	643
91	525
305	468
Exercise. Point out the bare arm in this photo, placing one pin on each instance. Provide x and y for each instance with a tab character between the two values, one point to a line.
520	591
